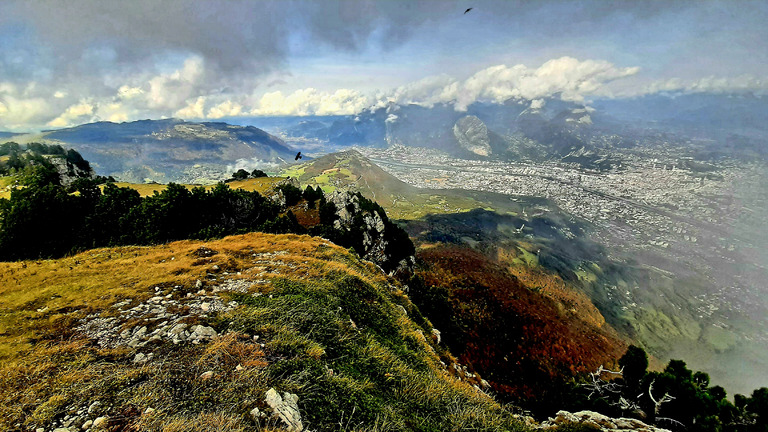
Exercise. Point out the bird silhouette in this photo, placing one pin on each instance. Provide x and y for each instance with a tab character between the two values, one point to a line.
298	156
469	9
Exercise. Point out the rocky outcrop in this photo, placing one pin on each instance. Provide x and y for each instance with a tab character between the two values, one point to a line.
276	193
69	172
374	237
472	135
599	421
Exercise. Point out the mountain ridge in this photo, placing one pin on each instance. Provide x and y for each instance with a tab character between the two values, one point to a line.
169	149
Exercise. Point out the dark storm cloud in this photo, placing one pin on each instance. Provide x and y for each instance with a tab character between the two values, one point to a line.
253	36
233	35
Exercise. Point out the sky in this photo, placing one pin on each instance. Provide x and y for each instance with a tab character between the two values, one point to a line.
64	63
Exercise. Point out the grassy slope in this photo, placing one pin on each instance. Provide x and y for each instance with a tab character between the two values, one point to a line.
5	181
334	330
261	185
351	170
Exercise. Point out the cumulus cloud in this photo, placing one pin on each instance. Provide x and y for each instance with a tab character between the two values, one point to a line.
115	112
225	109
128	92
195	109
311	101
18	112
538	104
171	90
75	114
570	78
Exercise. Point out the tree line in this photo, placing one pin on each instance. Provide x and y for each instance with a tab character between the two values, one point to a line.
43	219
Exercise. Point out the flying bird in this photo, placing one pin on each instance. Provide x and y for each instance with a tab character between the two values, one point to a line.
469	9
298	156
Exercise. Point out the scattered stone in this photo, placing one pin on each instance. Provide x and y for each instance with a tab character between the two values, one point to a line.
149	411
206	375
198	284
255	414
601	422
140	358
100	422
87	425
94	406
203	332
205	306
287	408
436	333
239	367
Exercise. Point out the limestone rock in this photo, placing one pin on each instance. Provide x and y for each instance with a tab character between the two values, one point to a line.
203	332
472	135
287	408
600	421
100	422
255	414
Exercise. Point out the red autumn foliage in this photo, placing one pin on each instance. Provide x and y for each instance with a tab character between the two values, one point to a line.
520	340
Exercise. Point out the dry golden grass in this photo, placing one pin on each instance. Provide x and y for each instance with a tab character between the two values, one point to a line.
5	181
48	372
38	297
260	185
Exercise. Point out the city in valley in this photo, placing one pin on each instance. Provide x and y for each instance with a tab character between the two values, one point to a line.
652	208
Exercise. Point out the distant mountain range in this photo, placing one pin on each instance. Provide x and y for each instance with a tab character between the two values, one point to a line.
169	150
723	125
702	126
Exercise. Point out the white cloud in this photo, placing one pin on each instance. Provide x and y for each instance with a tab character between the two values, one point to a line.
571	78
538	104
170	91
426	92
60	94
310	101
194	109
8	88
17	113
703	85
74	114
225	109
128	92
115	112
